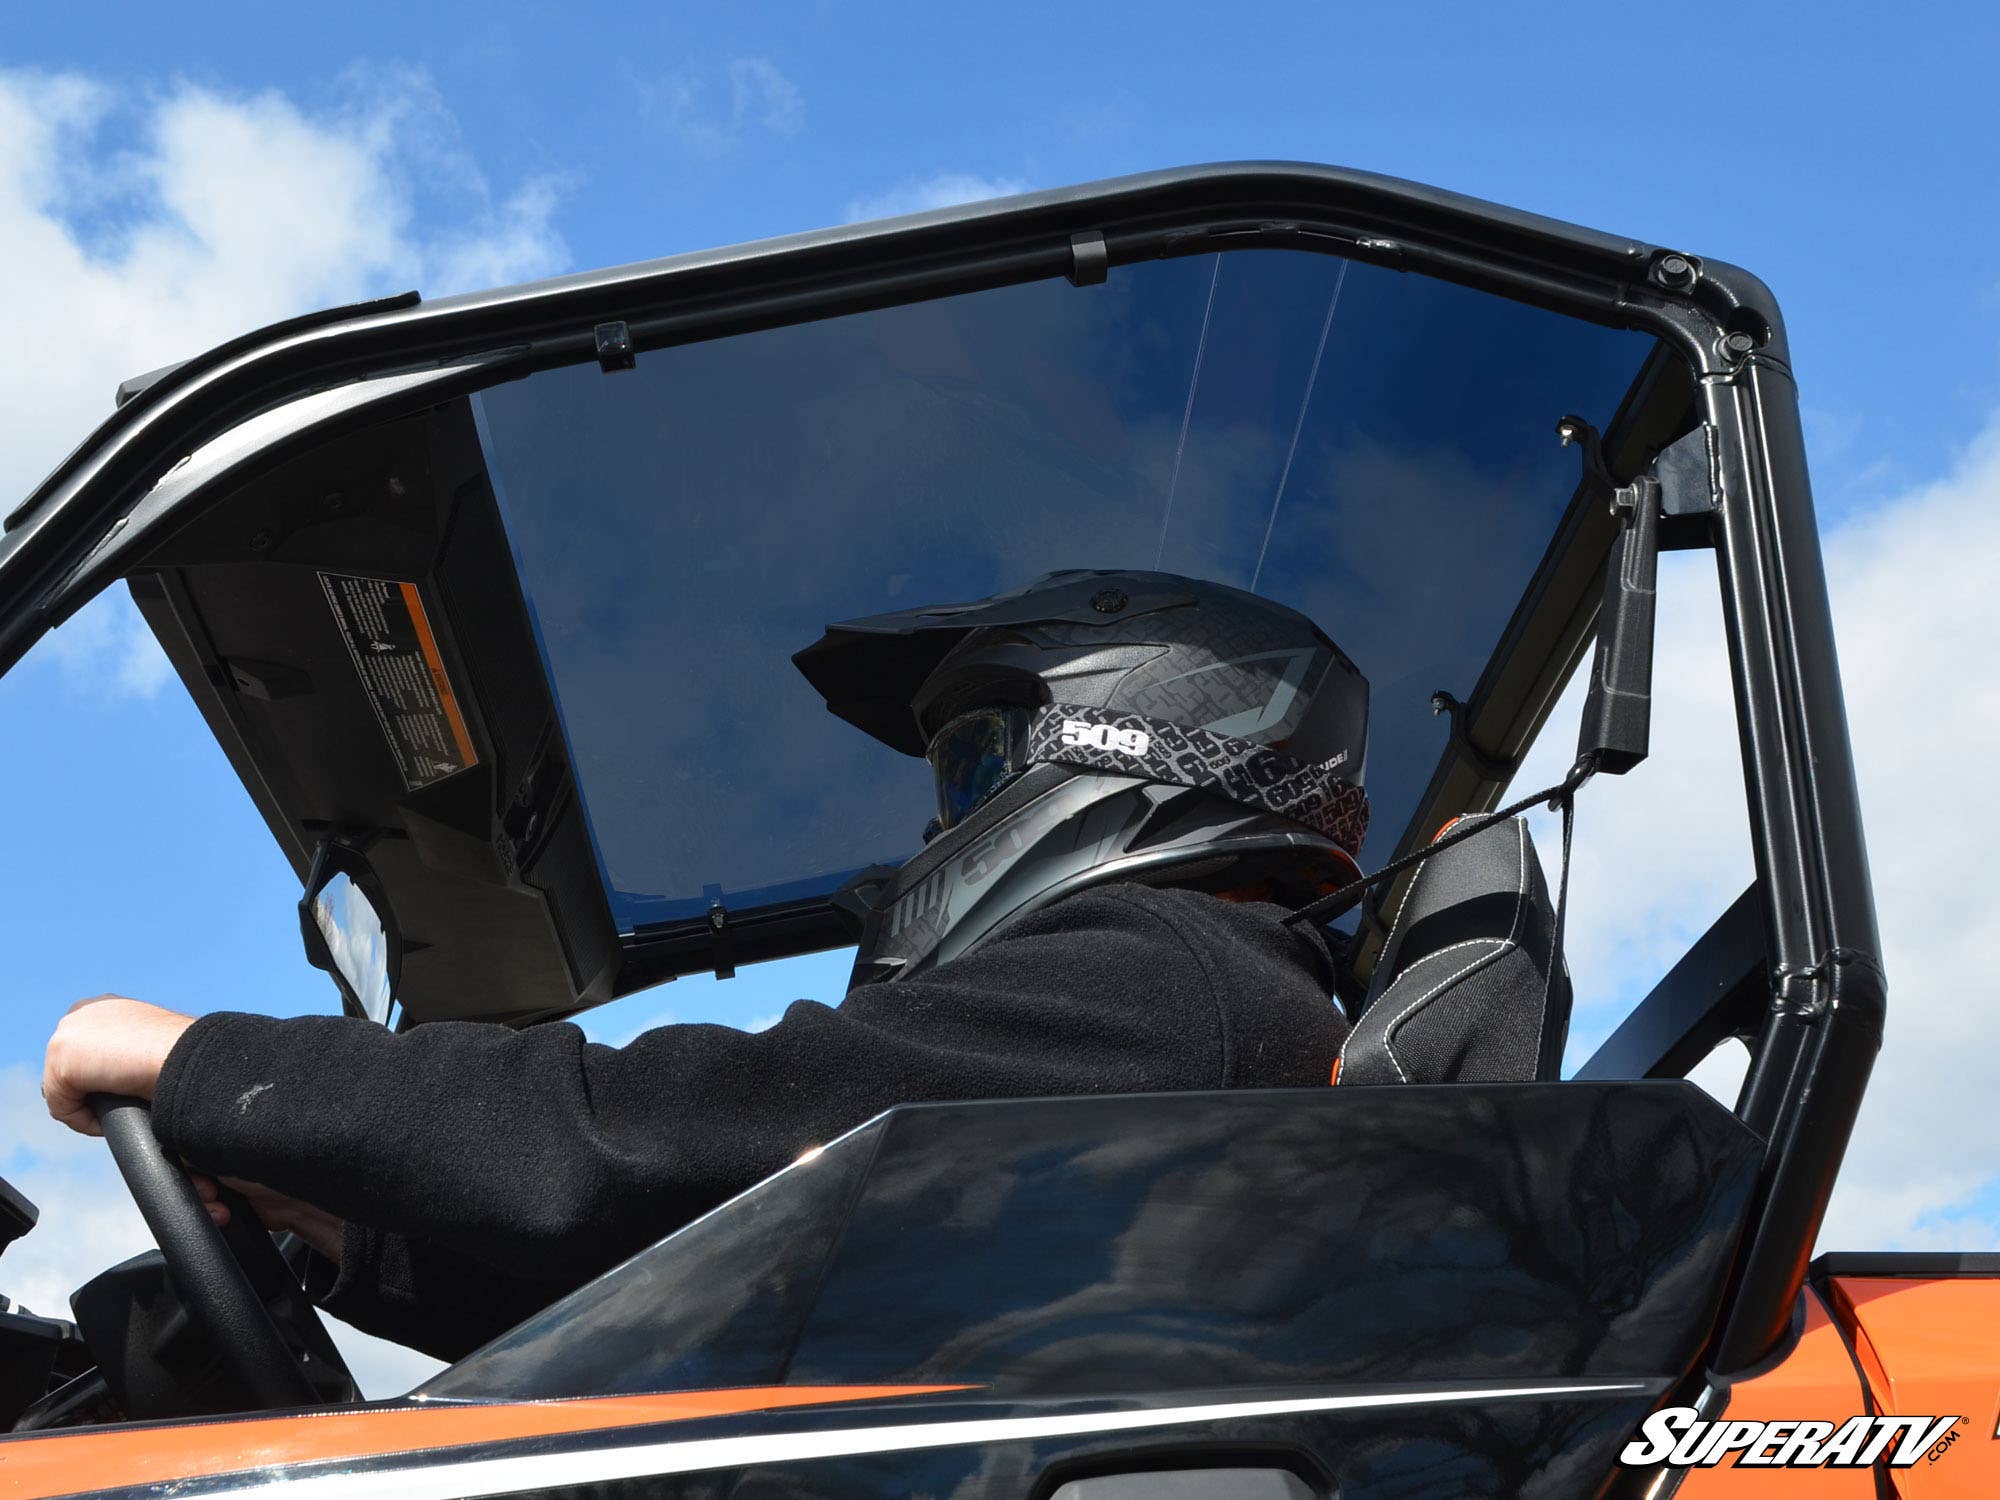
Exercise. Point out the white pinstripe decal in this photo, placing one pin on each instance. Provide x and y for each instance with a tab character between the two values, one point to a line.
445	1480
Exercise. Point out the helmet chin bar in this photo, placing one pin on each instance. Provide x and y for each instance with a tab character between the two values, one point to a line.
1058	829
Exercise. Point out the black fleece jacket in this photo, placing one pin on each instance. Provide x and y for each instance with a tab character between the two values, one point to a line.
482	1172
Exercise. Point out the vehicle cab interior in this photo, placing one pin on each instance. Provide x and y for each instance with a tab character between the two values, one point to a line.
491	603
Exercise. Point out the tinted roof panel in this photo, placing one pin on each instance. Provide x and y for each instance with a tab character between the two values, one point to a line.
1374	448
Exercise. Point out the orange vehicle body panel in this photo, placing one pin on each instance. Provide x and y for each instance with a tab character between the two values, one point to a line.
1816	1381
1932	1348
38	1467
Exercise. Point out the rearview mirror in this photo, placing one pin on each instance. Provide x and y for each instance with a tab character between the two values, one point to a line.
350	932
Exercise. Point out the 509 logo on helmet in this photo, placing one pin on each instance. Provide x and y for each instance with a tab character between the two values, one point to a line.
1077	733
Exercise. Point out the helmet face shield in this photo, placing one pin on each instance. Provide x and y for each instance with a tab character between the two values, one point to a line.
975	755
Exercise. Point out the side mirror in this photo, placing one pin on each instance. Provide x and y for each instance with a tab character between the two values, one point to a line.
350	932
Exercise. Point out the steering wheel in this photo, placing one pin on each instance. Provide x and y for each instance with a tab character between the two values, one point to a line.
217	1277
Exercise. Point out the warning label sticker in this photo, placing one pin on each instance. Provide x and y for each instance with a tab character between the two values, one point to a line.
396	656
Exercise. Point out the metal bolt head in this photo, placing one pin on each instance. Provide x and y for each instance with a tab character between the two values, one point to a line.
1109	601
1738	345
1675	271
261	541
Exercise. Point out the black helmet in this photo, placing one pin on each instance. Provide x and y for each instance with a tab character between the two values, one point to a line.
1098	726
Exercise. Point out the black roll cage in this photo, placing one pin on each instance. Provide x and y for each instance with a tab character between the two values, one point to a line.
1794	965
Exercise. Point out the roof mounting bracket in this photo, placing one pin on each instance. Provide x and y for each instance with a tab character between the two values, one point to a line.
360	837
614	347
531	811
721	941
1689	473
1489	767
1089	259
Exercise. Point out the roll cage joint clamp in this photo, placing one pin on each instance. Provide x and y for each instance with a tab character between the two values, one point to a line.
1807	991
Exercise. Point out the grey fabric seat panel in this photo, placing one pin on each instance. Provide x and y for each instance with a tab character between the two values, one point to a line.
1469	988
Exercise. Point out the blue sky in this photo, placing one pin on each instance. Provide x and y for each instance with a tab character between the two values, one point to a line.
1842	153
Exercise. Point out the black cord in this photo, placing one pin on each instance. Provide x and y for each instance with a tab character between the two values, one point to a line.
1560	797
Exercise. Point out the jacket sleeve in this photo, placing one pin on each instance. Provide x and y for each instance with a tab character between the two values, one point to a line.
409	1289
538	1156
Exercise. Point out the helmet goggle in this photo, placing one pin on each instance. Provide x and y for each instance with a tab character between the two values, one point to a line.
974	756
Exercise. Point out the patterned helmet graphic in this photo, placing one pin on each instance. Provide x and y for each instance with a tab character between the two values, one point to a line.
1097	725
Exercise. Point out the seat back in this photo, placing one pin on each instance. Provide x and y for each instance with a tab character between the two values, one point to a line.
1469	988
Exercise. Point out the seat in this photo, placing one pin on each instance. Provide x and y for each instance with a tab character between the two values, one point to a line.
1469	988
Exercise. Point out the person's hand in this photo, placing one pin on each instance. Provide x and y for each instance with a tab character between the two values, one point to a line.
275	1212
106	1045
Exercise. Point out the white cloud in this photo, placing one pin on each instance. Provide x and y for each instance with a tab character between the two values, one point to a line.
759	97
915	195
619	1024
1659	853
514	242
148	228
759	92
106	650
1919	621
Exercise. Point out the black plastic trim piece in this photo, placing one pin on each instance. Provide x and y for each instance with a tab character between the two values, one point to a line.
1090	261
1616	730
133	385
